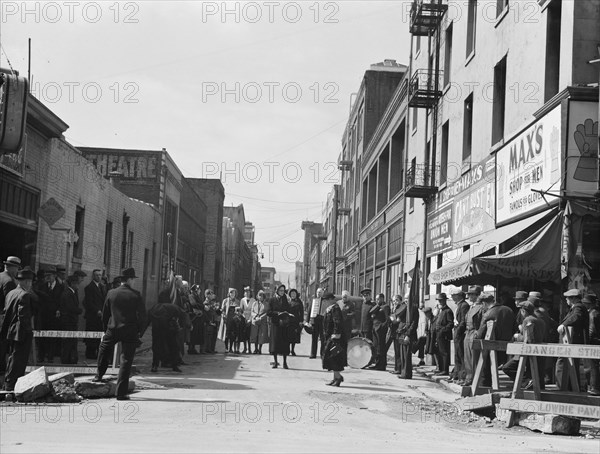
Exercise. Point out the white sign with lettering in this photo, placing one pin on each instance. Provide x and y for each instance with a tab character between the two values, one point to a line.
531	160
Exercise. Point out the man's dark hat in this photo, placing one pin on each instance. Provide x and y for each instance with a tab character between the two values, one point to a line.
25	273
79	273
60	268
365	290
128	273
50	269
328	296
474	289
441	296
520	295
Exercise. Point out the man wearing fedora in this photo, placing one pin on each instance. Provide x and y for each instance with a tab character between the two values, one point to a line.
577	322
125	320
443	324
17	328
472	322
7	284
460	328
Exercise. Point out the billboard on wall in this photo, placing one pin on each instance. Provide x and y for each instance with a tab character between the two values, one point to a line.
463	210
582	148
529	161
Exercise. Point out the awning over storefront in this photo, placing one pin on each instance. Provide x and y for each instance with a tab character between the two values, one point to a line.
471	268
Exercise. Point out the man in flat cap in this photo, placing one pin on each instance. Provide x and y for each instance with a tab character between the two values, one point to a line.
7	284
460	328
577	321
443	324
124	317
17	327
591	366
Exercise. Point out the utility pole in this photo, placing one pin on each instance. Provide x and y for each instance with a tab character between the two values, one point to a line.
334	239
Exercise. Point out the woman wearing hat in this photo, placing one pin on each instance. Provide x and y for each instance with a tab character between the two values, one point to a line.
297	310
259	334
227	314
279	314
334	353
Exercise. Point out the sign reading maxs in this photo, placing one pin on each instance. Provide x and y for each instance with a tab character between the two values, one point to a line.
531	160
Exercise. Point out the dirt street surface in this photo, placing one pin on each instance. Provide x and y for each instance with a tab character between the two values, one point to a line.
235	403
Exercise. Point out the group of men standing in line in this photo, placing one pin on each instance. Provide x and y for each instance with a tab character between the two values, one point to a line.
26	305
531	322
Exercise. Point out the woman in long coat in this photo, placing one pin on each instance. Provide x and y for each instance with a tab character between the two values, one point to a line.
259	333
280	317
334	354
297	310
227	313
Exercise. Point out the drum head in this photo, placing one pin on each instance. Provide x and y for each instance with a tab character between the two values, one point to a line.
360	352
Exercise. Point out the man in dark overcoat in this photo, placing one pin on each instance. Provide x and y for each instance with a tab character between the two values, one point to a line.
7	284
443	324
125	319
17	327
93	302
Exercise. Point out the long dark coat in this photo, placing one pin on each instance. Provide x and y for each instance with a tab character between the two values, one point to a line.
93	303
281	331
69	310
297	310
335	355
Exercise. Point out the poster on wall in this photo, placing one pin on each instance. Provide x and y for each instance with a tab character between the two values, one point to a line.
530	161
465	209
582	148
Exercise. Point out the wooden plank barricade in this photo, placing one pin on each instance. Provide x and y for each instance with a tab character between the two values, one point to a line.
551	403
74	368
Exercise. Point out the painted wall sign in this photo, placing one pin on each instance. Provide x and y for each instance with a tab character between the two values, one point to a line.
582	148
465	209
531	160
133	166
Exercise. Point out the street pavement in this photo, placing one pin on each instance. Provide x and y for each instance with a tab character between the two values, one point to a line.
238	403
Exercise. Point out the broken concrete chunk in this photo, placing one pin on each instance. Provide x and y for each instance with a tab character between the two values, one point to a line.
549	424
33	386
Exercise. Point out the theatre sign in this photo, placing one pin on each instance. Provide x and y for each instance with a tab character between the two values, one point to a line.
528	163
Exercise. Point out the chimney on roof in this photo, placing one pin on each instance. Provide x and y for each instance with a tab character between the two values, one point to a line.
389	62
115	179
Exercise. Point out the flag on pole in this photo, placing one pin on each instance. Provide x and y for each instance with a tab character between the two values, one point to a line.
413	294
172	287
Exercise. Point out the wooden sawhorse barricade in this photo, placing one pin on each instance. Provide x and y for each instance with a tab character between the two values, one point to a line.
74	368
574	404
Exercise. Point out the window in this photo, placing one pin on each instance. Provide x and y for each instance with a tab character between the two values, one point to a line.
440	262
107	244
444	154
427	273
552	49
397	160
499	101
153	258
418	45
448	56
413	166
500	6
471	26
415	119
130	253
361	122
79	221
467	128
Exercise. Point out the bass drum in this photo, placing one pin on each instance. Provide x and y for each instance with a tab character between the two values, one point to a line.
361	352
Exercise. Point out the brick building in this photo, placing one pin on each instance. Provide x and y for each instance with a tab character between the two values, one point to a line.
212	193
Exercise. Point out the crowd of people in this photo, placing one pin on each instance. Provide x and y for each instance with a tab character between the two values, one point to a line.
186	319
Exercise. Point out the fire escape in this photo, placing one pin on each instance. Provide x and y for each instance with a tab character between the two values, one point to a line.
424	92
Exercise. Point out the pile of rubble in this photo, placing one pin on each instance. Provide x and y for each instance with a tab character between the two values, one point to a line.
37	386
